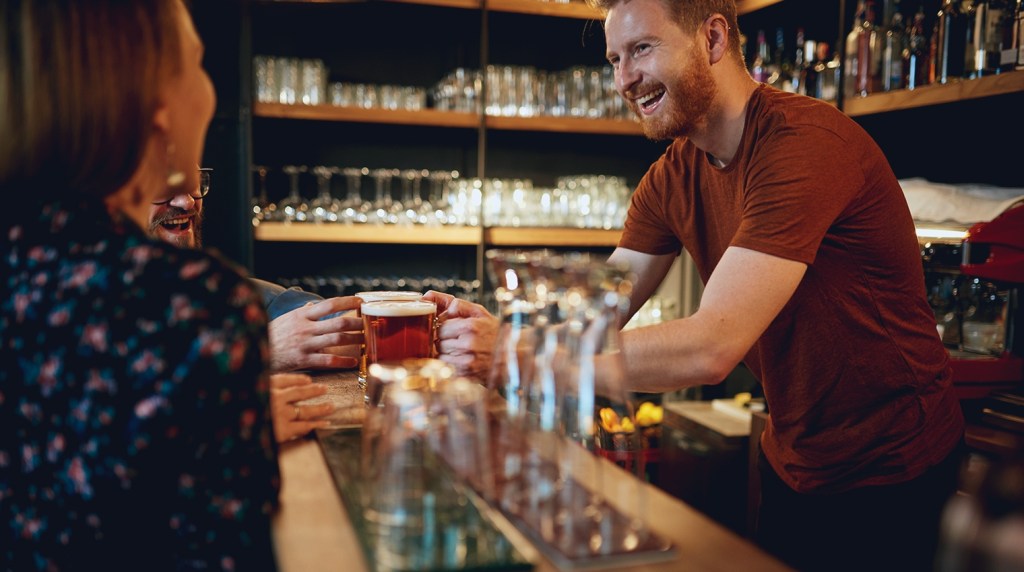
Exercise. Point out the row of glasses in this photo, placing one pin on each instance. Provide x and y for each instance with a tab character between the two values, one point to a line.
581	201
290	80
371	96
525	91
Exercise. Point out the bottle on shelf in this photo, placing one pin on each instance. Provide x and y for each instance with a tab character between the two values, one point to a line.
951	42
759	68
993	31
800	61
892	54
915	55
850	59
869	52
781	75
1018	33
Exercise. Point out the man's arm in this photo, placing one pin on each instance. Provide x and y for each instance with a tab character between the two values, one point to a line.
745	293
650	270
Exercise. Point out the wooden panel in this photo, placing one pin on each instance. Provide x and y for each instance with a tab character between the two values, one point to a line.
427	117
565	125
1010	82
500	236
469	4
367	234
748	6
574	9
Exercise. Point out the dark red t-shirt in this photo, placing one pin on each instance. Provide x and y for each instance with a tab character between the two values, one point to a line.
856	379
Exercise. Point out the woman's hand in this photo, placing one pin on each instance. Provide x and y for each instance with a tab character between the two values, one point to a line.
290	419
466	335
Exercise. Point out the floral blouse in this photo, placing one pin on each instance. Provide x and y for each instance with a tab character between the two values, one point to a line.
134	419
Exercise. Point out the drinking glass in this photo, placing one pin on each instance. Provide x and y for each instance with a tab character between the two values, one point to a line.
293	208
379	211
262	208
378	296
396	330
352	207
325	207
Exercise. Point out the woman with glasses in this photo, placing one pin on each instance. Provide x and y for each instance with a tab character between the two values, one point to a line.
136	428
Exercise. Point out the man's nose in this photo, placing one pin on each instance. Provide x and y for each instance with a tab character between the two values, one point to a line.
626	76
183	201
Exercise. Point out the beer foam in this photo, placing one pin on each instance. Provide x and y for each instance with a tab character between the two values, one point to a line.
382	295
398	309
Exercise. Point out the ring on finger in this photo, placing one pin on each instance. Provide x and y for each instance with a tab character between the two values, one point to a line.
297	413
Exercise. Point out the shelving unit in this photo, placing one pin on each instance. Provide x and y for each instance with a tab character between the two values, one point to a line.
908	124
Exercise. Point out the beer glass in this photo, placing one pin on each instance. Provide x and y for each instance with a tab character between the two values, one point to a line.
395	330
379	296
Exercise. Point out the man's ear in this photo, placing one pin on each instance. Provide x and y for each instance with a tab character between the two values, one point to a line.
717	37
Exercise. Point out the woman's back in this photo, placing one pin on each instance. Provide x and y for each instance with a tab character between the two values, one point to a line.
135	432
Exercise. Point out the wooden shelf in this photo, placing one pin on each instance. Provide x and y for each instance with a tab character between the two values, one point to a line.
547	236
564	125
748	6
367	234
448	235
425	117
435	118
574	9
1009	82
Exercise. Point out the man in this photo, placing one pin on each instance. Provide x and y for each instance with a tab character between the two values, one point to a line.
813	278
306	331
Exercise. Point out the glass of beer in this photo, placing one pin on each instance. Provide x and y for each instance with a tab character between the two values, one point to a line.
379	296
394	331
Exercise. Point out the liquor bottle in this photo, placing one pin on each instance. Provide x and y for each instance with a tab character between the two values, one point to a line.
829	75
801	60
1000	53
781	69
1018	33
850	62
951	42
892	54
759	68
974	13
869	54
915	56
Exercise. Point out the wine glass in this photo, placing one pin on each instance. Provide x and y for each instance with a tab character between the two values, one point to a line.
293	207
379	211
411	199
262	208
324	208
351	210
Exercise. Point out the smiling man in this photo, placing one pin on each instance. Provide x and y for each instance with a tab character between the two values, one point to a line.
813	278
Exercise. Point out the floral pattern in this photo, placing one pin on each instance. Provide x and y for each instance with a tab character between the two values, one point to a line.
135	421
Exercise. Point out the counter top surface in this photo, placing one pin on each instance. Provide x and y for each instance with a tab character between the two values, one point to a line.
312	530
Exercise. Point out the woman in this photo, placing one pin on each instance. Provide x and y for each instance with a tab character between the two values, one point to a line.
136	428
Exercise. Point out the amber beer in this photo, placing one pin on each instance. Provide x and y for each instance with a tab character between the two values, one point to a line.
394	331
379	296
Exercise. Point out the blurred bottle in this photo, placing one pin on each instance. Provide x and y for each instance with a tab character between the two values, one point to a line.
800	59
807	74
994	37
850	62
1018	33
915	55
780	72
869	54
951	42
892	54
759	68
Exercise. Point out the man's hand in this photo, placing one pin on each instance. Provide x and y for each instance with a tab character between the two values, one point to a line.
290	419
301	340
466	335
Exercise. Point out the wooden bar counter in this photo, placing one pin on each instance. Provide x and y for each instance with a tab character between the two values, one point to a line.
312	530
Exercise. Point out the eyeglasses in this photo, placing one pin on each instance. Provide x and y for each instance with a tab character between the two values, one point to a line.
201	191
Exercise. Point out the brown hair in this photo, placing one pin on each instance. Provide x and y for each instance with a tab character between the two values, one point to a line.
689	14
80	83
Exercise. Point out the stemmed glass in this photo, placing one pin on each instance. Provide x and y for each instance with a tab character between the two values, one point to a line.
379	211
262	208
294	207
438	199
412	201
324	208
352	205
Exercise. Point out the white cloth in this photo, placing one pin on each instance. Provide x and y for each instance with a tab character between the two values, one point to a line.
957	204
